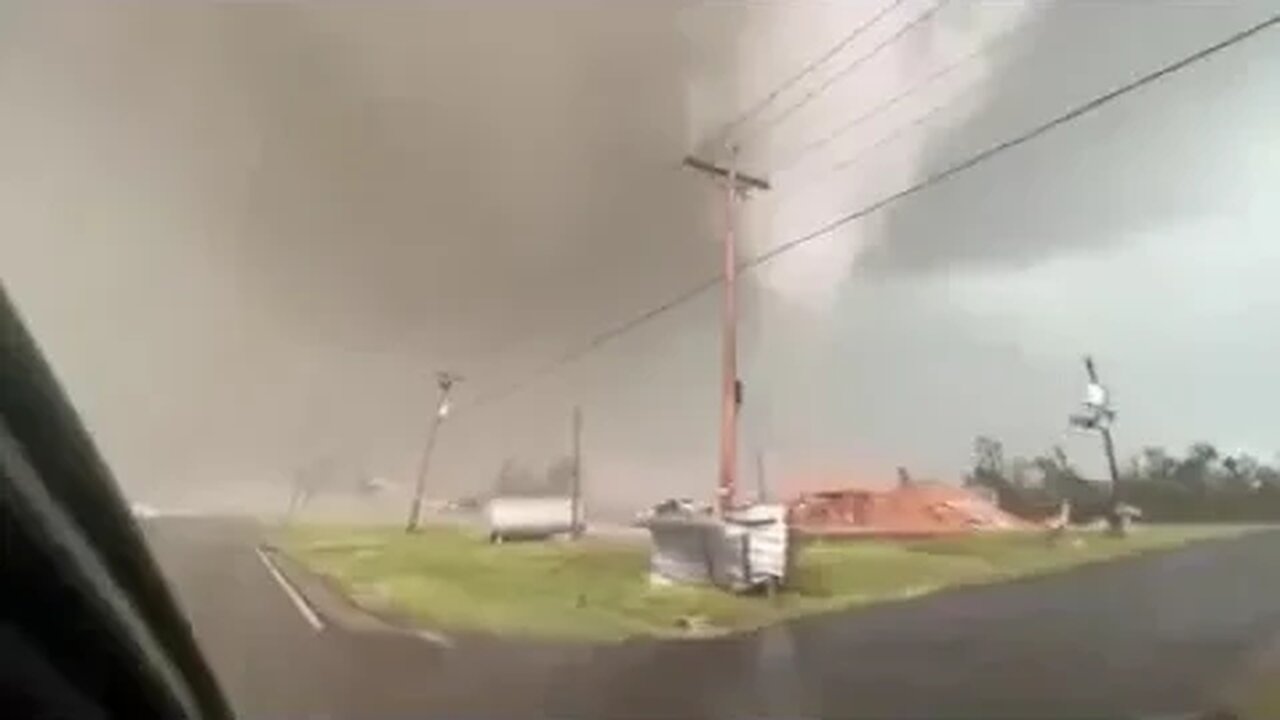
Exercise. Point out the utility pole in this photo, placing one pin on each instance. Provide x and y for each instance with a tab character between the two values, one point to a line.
445	382
577	472
1098	416
734	183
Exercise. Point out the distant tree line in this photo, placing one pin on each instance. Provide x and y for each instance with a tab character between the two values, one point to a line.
326	475
1201	485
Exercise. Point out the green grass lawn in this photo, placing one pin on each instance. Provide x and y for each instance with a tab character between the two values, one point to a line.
452	579
1262	701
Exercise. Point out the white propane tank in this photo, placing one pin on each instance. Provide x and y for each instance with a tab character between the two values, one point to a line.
529	517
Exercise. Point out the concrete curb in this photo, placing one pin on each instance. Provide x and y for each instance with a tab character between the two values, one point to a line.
336	608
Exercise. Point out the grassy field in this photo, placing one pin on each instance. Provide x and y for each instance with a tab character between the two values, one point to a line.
453	580
1262	701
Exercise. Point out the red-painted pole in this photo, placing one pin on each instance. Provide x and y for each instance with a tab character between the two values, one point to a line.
729	350
730	388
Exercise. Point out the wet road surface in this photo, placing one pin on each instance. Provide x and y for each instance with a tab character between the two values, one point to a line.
1147	636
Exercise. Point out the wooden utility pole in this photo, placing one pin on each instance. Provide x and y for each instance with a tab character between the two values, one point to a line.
735	183
445	382
577	473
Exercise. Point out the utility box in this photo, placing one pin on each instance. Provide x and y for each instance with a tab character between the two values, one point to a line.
748	549
764	541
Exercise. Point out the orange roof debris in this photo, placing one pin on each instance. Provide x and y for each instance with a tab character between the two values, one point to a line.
916	509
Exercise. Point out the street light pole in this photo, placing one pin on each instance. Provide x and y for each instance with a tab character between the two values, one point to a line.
730	386
1098	416
1108	445
445	381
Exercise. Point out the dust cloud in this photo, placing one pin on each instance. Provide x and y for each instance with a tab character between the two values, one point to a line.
247	235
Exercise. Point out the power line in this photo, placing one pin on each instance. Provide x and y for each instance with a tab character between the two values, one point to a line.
929	181
896	133
810	67
886	138
817	92
984	155
592	344
805	71
881	107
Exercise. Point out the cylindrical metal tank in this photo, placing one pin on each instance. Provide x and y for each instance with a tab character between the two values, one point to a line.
529	517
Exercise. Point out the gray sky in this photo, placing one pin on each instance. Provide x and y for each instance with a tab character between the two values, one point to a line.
246	234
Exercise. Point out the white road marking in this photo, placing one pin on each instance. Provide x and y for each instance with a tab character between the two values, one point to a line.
433	638
304	608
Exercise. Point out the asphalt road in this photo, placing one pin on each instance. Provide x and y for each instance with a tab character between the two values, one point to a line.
1146	637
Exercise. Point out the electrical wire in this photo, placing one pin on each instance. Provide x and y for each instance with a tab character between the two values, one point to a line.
817	63
935	178
889	103
731	126
825	85
595	342
889	137
813	65
1021	139
896	133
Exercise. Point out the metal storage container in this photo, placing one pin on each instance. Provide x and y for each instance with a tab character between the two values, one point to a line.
529	518
749	548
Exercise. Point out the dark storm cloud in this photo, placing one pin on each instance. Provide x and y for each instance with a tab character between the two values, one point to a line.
505	164
1132	166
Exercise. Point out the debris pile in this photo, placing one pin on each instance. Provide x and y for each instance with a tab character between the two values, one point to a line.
909	510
